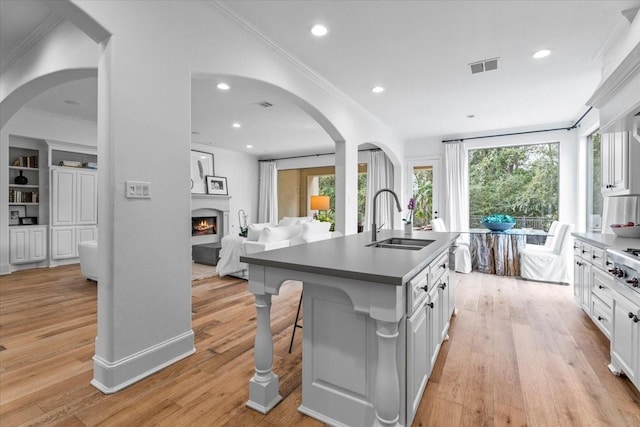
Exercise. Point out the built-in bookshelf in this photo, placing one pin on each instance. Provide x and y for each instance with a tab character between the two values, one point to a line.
24	186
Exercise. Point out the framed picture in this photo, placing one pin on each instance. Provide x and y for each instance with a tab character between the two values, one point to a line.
29	220
15	213
217	185
201	166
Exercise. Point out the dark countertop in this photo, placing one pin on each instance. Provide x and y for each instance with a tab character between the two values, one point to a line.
605	241
348	257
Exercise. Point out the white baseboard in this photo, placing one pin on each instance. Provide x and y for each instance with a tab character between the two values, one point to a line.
110	377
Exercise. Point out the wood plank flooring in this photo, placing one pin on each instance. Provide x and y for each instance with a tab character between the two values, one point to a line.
519	353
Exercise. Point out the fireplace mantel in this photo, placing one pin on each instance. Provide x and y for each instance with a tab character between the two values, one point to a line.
219	203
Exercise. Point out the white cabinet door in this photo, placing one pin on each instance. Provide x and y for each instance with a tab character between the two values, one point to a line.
63	242
38	244
86	234
19	241
86	197
63	197
578	279
418	368
620	161
435	329
585	294
625	343
443	287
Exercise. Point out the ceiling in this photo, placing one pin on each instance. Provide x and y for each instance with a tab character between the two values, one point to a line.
419	51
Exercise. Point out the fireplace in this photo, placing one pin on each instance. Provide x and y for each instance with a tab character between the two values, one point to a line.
204	225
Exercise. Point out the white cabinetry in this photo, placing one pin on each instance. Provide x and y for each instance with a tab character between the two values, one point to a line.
426	327
74	210
27	244
625	338
592	286
620	172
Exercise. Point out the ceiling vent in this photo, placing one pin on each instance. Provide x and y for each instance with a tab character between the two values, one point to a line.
485	65
264	104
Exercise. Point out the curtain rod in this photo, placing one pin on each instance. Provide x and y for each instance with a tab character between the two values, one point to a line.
574	126
313	155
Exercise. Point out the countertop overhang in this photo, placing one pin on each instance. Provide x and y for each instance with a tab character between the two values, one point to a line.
350	258
606	241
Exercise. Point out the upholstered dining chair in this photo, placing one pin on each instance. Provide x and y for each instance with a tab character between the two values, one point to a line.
461	253
550	241
550	264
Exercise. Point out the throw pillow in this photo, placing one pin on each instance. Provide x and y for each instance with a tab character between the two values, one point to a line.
254	231
287	220
313	228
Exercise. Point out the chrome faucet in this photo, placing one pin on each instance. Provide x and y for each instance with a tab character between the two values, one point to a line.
374	227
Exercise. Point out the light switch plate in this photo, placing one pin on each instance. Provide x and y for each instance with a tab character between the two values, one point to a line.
137	190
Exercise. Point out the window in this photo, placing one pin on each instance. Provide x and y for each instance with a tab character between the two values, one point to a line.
594	176
423	194
521	181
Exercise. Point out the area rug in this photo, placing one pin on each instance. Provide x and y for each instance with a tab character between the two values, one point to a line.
201	271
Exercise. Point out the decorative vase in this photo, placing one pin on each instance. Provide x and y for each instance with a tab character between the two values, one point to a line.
20	179
408	228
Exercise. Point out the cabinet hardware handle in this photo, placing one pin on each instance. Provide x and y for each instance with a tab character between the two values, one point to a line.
430	304
444	265
442	286
602	287
635	318
600	318
584	252
579	264
608	263
576	246
425	288
594	256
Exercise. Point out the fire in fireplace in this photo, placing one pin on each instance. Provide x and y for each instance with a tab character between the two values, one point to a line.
203	225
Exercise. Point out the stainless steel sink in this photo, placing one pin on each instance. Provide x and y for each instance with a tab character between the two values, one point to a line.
401	243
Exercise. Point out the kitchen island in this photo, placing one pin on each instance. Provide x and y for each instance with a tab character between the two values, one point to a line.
374	320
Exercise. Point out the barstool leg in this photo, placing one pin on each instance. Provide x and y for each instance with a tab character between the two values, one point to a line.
295	325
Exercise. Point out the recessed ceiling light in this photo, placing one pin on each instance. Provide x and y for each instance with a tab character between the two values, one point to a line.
236	125
377	89
249	146
541	53
71	102
195	133
223	86
319	30
471	116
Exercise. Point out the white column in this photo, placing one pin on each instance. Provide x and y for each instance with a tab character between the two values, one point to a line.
386	399
264	388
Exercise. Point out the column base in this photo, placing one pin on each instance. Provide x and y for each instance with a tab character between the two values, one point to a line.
263	397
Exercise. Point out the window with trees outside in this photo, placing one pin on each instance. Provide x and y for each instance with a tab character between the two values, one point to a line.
521	181
594	177
327	187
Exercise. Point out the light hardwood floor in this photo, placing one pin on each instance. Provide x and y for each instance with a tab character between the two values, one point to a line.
519	353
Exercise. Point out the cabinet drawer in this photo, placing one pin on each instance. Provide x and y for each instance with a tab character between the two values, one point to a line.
601	286
602	316
439	266
417	290
585	251
597	257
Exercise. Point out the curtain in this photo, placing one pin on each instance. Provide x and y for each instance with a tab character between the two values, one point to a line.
268	197
379	176
618	210
457	185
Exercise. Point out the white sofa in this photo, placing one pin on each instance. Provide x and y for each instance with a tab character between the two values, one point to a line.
289	231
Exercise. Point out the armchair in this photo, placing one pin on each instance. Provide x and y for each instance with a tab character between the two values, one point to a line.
550	264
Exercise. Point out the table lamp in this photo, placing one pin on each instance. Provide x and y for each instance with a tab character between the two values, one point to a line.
319	203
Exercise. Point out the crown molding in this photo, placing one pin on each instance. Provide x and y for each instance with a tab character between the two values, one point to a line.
296	63
45	27
617	80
